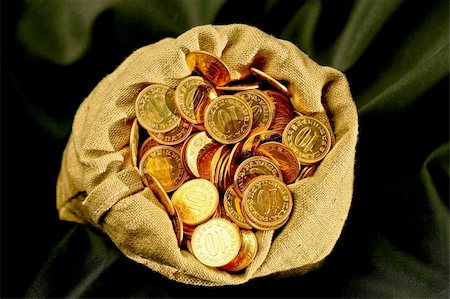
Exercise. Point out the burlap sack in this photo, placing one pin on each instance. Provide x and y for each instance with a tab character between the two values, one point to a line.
98	186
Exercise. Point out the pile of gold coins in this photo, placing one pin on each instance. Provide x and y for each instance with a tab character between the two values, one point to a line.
218	154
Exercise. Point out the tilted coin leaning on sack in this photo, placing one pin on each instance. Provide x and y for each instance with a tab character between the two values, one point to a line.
218	155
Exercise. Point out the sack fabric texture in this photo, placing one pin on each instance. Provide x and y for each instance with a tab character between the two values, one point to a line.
97	184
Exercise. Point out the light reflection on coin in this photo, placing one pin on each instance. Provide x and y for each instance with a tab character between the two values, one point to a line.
275	83
210	66
159	192
134	142
247	253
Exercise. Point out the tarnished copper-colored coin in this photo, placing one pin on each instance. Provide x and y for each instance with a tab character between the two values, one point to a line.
249	248
188	230
275	83
284	156
196	144
262	107
253	167
232	206
228	119
174	136
267	203
159	192
188	94
308	138
250	145
205	159
155	108
209	66
177	227
146	145
164	163
134	142
216	242
306	172
196	201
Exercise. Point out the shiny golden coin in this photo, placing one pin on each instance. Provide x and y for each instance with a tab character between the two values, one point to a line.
209	66
308	138
267	203
253	167
275	83
262	107
247	253
177	227
146	145
155	108
222	180
174	136
239	87
159	192
284	156
196	201
250	145
164	163
216	163
205	159
228	119
193	148
134	142
232	206
216	242
188	94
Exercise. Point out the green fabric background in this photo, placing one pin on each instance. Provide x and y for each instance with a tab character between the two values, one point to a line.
396	57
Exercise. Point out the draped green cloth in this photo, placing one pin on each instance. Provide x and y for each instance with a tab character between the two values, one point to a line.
395	54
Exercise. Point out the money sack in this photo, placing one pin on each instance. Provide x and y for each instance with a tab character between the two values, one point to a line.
98	185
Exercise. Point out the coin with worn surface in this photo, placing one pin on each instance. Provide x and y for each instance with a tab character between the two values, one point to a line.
174	136
232	206
196	200
253	167
216	242
194	146
228	119
209	66
267	203
159	192
308	138
134	142
164	163
275	83
247	253
155	108
177	227
262	107
284	156
188	94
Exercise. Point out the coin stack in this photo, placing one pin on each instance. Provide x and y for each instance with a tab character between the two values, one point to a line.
218	154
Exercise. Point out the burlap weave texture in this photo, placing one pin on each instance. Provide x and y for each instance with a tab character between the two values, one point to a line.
98	186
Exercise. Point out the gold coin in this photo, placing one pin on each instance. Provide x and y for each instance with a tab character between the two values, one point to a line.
188	230
216	163
284	156
146	145
250	145
228	119
262	107
164	163
134	142
307	171
193	148
159	192
239	86
232	206
308	138
267	203
189	246
233	162
155	108
247	253
174	136
216	242
275	83
253	167
188	95
196	200
209	66
205	159
177	227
